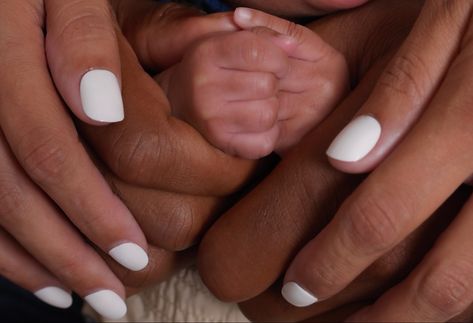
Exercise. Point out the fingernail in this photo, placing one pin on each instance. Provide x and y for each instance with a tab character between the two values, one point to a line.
130	256
54	296
286	40
243	14
297	296
355	141
107	303
101	96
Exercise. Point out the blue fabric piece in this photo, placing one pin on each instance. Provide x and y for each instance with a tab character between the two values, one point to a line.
209	6
212	5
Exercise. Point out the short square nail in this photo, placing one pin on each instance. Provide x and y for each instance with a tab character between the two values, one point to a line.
356	140
107	303
297	296
54	296
130	256
101	96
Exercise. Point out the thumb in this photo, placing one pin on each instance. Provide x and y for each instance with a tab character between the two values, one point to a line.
160	34
83	56
298	41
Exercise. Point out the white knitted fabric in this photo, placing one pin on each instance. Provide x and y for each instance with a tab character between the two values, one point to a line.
183	298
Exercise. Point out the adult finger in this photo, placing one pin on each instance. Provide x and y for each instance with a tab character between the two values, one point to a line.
261	229
404	89
32	276
142	21
388	271
440	287
64	253
83	56
170	221
144	147
390	204
45	143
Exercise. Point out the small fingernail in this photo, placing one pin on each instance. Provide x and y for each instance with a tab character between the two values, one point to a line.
101	96
107	303
355	141
243	13
297	296
54	296
286	40
130	256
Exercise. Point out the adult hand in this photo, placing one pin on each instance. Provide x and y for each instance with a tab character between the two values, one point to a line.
246	250
173	181
44	168
408	186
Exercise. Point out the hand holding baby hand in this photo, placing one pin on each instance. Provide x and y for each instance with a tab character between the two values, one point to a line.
255	91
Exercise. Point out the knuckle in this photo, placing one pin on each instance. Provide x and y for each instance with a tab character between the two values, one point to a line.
180	231
134	154
449	12
47	159
12	201
252	52
336	82
407	76
265	85
391	265
372	227
446	291
81	23
294	30
267	117
327	278
204	51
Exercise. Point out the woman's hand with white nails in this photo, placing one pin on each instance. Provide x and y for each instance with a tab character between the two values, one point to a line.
46	171
51	192
82	53
415	130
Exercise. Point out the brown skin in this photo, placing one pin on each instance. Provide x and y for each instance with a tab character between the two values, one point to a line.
378	276
269	306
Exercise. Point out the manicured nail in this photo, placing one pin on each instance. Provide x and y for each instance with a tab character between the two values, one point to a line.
355	141
130	256
243	14
54	296
101	96
297	296
107	303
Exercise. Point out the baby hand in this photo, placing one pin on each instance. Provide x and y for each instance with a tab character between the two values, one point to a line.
227	87
260	90
316	81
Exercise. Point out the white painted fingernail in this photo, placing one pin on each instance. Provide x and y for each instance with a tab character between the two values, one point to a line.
130	256
355	141
54	296
101	96
297	296
107	303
